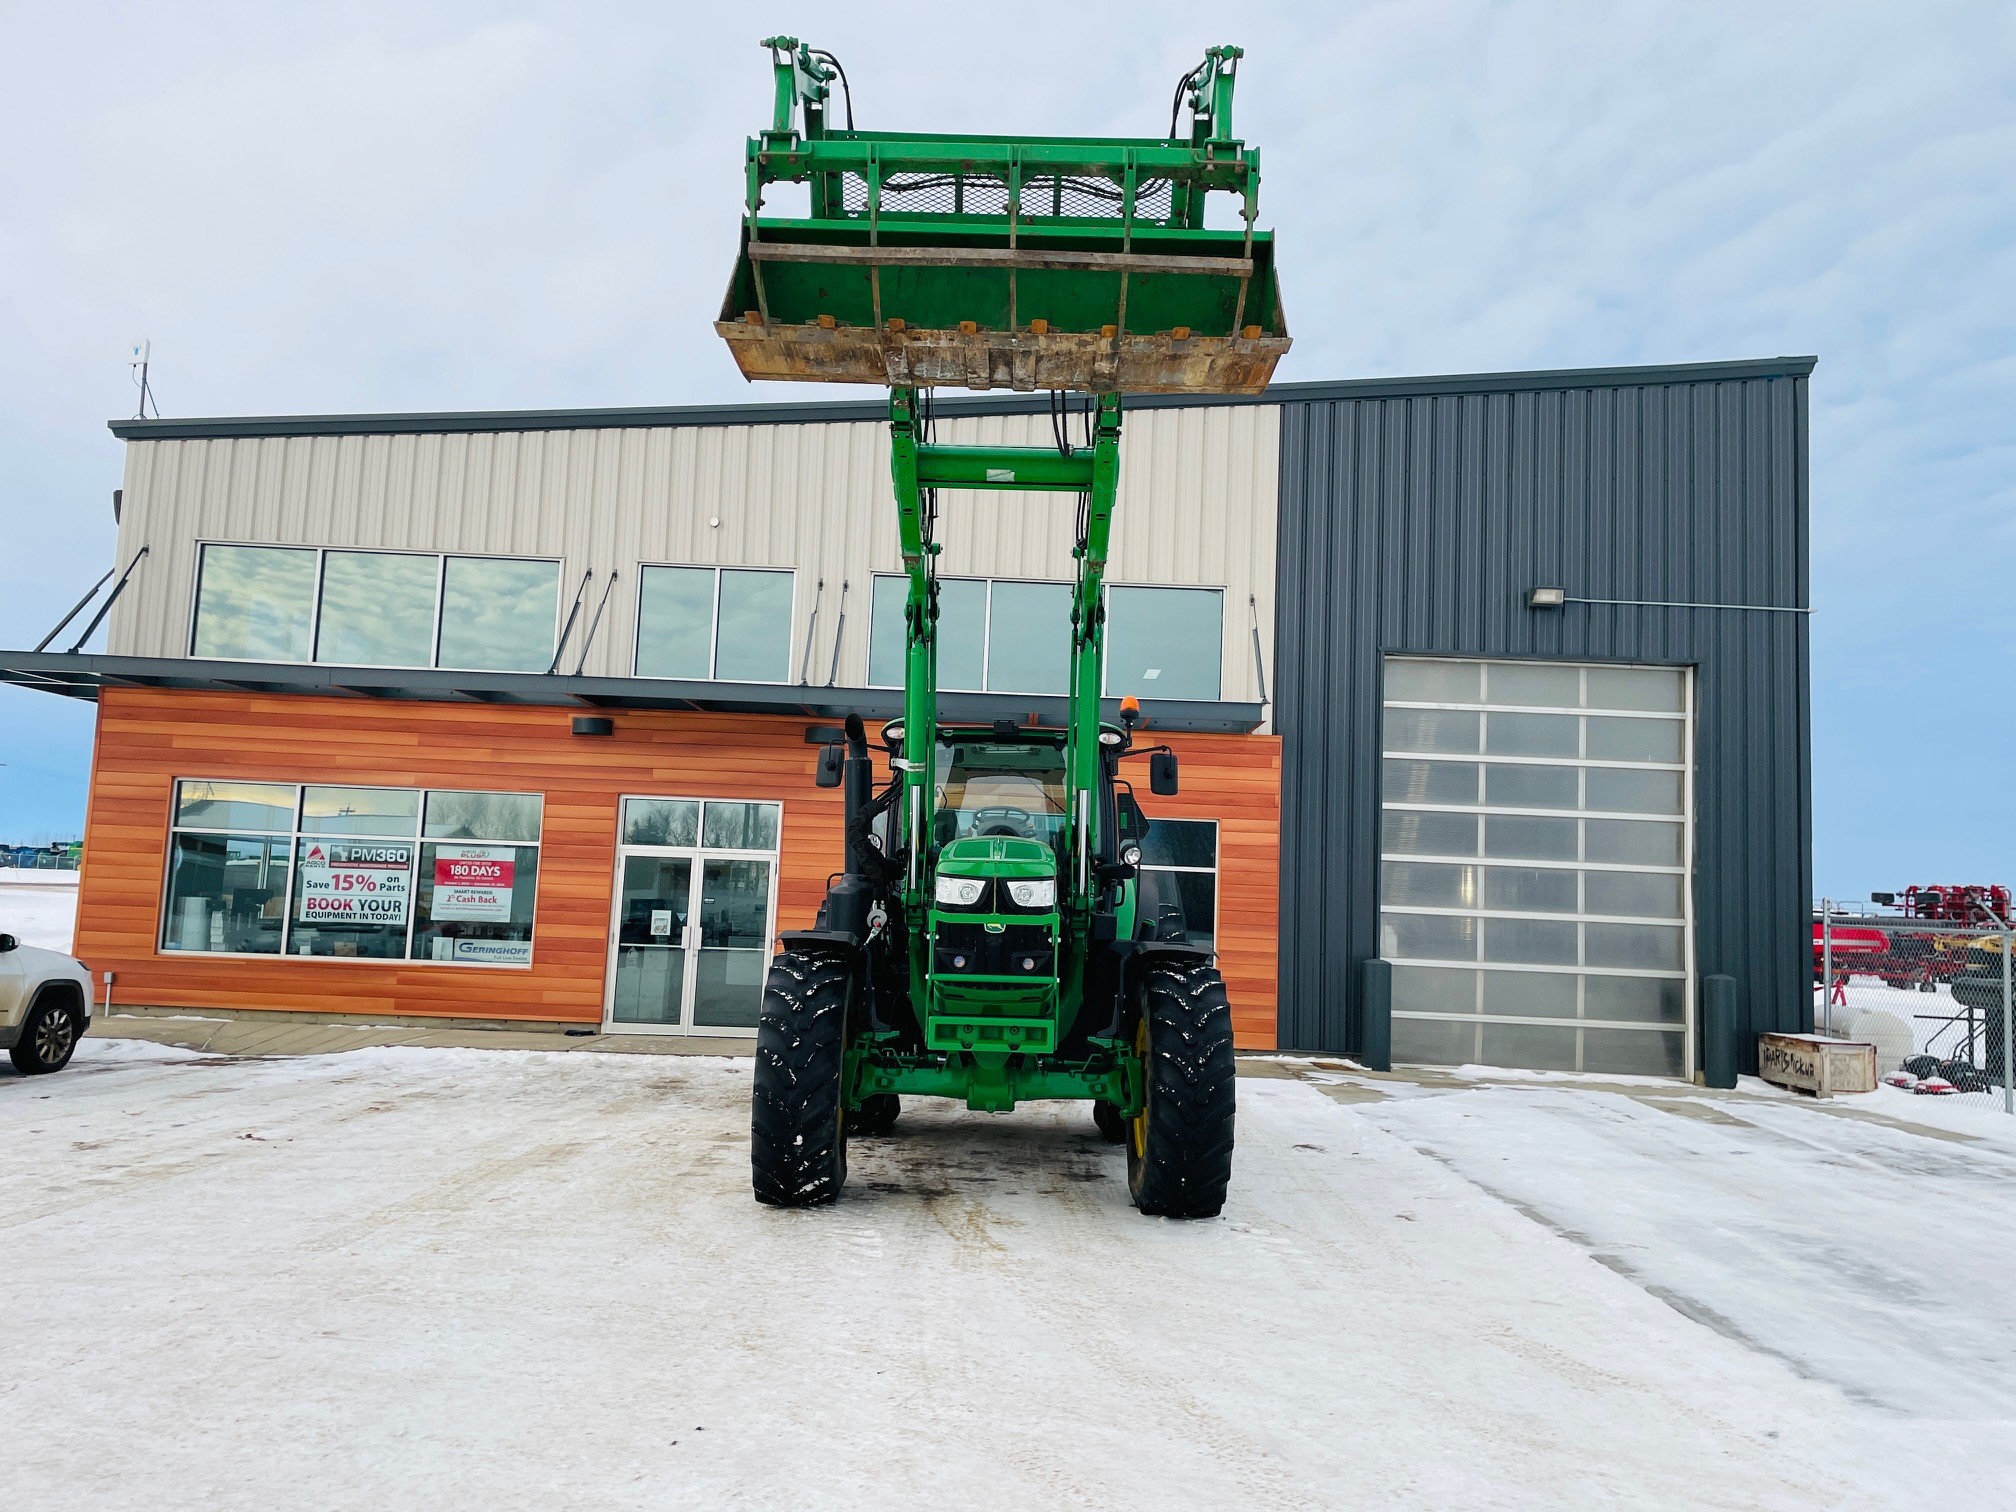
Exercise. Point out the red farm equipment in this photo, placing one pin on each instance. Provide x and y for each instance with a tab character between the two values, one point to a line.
1923	958
1982	907
1857	951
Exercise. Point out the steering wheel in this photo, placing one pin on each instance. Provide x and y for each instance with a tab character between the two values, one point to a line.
1017	823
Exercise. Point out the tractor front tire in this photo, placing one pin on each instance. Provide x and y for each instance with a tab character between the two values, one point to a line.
1179	1149
798	1115
1112	1126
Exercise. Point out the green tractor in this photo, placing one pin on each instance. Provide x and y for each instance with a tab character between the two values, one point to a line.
992	937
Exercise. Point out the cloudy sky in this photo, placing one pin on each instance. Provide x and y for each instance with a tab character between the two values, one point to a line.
437	206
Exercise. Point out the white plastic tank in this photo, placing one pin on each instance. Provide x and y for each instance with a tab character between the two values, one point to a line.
1890	1034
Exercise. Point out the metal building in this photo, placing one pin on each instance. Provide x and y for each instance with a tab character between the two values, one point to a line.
1671	507
1553	818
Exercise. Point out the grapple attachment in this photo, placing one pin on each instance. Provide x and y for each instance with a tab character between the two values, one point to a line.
996	262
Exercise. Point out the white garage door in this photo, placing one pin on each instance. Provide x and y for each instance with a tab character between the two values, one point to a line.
1535	885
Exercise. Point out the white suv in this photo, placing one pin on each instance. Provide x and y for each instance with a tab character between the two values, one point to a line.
45	1006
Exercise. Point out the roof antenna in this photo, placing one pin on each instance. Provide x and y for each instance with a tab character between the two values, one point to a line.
136	357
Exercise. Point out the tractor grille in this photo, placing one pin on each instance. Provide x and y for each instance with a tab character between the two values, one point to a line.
1020	950
1048	195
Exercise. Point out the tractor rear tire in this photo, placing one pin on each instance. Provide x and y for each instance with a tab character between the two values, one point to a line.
1112	1126
798	1115
876	1115
1179	1150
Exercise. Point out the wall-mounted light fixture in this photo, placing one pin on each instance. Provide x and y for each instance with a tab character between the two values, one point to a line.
1546	598
594	724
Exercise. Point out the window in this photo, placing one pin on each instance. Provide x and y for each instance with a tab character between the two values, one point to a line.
1164	642
228	862
498	613
675	822
661	821
988	789
255	603
1013	636
352	872
1179	870
962	633
375	608
1534	888
1028	637
474	902
731	624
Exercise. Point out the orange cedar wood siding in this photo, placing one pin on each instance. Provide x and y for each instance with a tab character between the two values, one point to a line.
149	737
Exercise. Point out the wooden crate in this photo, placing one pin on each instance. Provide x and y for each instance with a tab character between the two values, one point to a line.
1813	1063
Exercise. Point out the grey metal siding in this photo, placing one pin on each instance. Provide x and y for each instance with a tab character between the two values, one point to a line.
1197	506
1419	523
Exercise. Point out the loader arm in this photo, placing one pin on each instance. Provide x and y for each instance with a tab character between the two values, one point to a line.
918	469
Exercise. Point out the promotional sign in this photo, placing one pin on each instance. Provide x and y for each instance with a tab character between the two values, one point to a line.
494	952
473	882
355	882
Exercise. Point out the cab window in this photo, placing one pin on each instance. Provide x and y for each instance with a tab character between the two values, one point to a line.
1000	789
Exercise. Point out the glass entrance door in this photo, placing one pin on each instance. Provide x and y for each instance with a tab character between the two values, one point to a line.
732	951
695	909
653	941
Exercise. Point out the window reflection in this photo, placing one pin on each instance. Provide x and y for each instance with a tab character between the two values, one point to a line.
741	826
234	805
498	614
962	635
360	811
1029	638
661	821
377	609
753	643
483	816
675	622
226	893
701	623
255	603
1164	642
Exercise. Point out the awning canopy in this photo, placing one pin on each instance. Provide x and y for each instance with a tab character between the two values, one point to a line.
83	677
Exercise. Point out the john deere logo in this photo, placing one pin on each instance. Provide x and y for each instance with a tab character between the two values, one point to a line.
997	929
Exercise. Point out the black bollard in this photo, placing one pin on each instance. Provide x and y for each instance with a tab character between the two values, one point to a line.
1718	1031
1376	1016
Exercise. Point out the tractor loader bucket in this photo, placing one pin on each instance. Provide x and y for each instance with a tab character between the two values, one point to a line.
1183	312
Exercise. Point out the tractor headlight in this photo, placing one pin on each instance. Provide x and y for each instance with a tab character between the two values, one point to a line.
1041	894
960	892
1130	853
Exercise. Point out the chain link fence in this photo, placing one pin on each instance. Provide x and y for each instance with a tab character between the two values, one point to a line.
1933	994
30	858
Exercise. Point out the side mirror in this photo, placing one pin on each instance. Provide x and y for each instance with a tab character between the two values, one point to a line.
1162	774
831	760
7	943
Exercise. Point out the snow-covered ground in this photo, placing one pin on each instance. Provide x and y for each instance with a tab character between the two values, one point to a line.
1872	1259
427	1279
37	908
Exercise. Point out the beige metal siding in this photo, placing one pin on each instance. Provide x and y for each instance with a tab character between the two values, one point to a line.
1197	506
